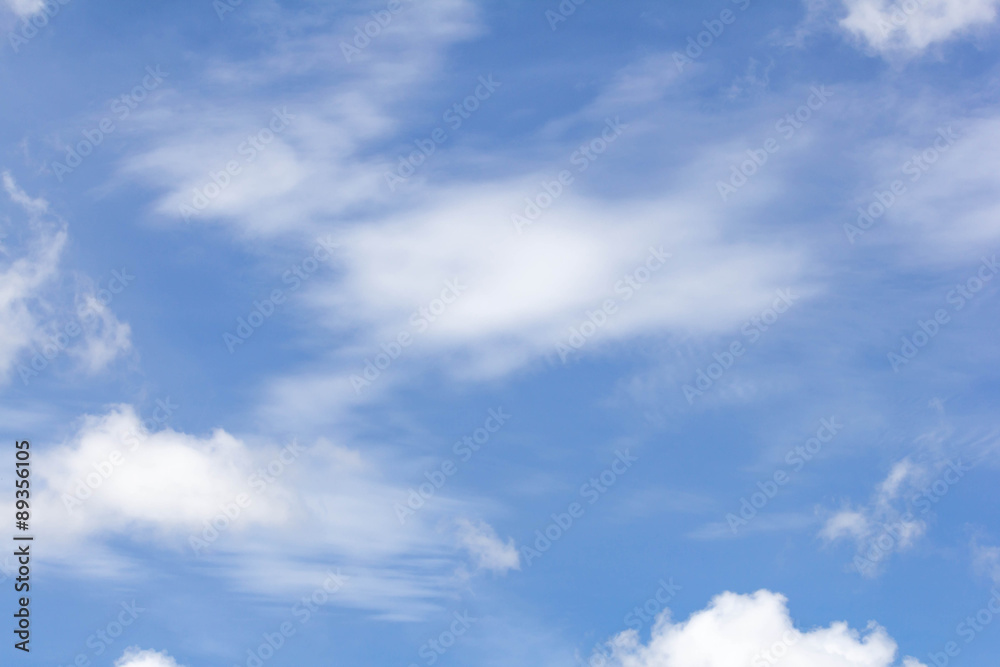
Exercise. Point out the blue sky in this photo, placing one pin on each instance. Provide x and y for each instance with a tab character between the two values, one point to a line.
503	333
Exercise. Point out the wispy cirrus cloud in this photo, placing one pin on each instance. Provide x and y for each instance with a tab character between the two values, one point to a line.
42	319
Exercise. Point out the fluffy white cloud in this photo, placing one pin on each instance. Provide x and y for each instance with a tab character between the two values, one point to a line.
756	630
115	476
276	519
135	657
913	25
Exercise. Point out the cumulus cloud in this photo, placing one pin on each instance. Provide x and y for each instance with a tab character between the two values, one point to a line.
292	512
890	26
115	475
135	657
739	630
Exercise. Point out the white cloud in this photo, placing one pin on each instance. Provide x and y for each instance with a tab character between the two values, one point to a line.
887	524
490	552
291	513
105	338
846	523
929	213
986	559
737	630
24	277
168	480
25	8
320	166
909	26
30	204
524	292
34	314
135	657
